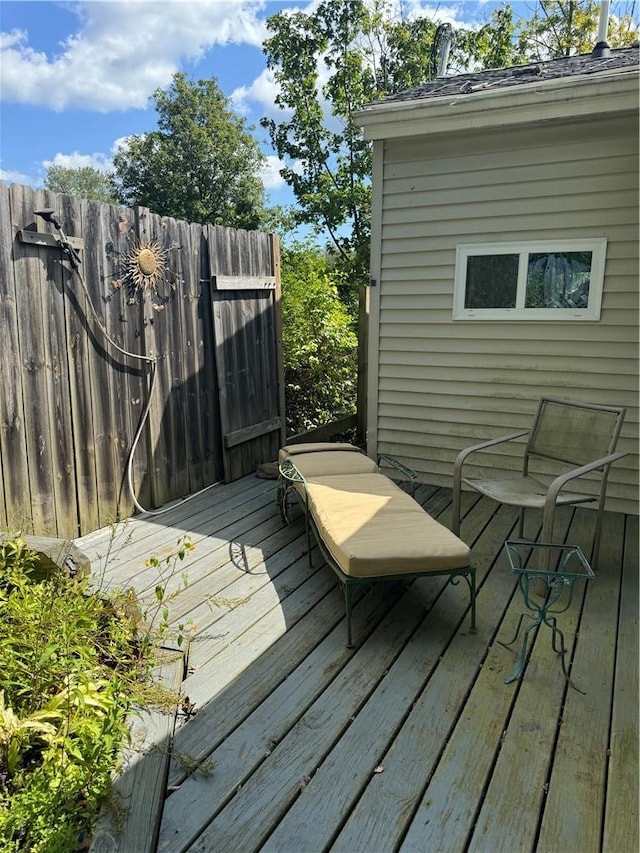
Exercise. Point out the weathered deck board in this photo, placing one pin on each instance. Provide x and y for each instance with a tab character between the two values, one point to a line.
573	813
410	741
121	559
131	823
621	815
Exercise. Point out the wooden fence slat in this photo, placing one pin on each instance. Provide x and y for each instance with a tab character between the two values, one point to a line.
80	392
213	470
167	434
136	377
31	280
54	304
274	260
103	360
177	369
187	272
153	336
128	379
15	504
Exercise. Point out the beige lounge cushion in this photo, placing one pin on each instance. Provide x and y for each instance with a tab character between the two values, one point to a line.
315	447
372	528
328	459
313	465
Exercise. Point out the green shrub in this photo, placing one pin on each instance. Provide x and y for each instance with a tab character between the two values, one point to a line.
71	663
319	344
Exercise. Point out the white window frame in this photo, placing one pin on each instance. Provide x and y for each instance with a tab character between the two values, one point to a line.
597	246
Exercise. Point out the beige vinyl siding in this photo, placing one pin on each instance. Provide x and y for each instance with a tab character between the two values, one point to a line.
439	385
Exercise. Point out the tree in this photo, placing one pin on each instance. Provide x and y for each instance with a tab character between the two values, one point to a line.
318	342
328	63
558	28
327	169
200	165
83	182
331	61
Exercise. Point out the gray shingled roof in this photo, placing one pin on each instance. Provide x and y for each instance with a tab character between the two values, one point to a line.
501	78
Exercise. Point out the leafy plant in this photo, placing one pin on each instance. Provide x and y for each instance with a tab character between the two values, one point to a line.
558	28
318	341
158	614
17	735
73	664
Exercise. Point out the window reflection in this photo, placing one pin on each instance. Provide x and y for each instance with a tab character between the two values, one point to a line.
558	280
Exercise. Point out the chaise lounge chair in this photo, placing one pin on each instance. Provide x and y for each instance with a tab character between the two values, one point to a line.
368	528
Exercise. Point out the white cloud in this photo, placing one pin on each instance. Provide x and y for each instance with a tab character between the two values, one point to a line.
439	13
460	14
80	161
15	37
10	177
270	173
123	51
263	90
98	160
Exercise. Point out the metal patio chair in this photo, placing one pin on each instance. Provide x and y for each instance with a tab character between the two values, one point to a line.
582	435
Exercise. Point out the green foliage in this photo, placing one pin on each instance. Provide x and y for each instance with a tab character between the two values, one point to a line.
84	182
560	28
361	53
200	165
319	344
157	615
72	664
328	169
491	46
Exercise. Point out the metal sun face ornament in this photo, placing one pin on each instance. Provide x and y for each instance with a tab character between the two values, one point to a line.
146	265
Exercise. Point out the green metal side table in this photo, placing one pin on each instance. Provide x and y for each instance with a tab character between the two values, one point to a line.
558	568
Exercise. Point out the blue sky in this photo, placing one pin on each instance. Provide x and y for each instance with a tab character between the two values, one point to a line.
75	77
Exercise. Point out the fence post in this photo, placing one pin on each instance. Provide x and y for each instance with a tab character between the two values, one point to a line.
275	270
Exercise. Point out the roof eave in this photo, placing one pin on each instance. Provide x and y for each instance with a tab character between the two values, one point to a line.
548	100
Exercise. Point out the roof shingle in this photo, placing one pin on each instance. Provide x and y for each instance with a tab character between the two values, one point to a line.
619	60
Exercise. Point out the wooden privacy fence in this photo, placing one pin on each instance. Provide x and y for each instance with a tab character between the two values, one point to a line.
202	303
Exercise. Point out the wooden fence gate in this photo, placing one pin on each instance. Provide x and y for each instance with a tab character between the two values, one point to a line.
178	319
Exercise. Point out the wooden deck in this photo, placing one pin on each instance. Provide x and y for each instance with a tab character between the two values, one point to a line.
411	741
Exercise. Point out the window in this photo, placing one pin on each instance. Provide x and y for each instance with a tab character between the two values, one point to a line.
550	280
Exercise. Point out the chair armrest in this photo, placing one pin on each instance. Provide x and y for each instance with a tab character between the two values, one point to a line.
410	476
291	473
565	478
290	476
483	446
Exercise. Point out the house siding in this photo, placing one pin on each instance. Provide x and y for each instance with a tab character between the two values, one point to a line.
435	385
